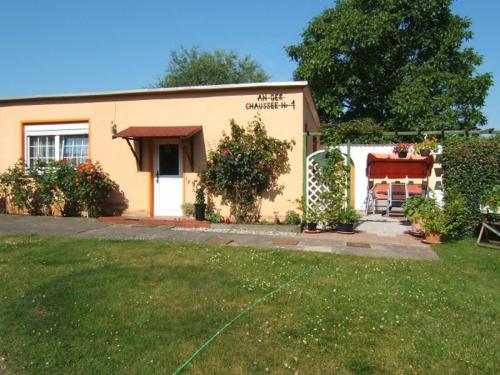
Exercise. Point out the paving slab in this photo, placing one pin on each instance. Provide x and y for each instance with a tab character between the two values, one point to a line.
379	246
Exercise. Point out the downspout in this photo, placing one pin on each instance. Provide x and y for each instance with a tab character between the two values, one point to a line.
348	184
304	170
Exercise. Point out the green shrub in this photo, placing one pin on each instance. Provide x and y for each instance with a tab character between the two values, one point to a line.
348	216
17	187
471	167
365	130
411	206
214	217
244	166
332	172
456	214
58	184
187	209
292	218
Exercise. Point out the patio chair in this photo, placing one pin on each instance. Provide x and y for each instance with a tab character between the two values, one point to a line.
377	197
397	195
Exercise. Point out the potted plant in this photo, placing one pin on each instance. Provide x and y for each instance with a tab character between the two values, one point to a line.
199	203
346	218
490	203
426	147
401	149
312	217
434	223
411	209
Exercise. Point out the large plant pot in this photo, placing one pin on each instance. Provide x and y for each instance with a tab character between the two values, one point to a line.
199	211
311	227
345	227
433	238
416	229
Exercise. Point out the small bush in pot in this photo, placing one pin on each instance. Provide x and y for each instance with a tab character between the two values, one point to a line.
312	216
411	211
346	218
435	226
433	221
490	203
199	203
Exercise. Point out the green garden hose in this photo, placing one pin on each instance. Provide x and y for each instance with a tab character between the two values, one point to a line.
241	313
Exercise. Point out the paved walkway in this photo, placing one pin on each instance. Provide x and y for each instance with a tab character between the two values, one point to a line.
363	243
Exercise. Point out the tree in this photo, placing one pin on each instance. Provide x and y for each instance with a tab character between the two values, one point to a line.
191	67
244	166
399	62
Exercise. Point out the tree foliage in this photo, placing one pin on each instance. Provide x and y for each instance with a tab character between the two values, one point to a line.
244	166
357	131
401	63
191	67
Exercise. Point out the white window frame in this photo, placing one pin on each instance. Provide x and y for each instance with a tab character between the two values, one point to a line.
56	130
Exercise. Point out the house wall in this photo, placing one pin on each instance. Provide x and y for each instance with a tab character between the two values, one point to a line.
211	110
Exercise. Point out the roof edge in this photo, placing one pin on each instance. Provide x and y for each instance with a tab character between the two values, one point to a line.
152	91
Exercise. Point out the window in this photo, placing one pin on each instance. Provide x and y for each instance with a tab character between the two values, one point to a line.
50	142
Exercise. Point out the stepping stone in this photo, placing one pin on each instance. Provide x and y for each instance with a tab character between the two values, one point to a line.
285	242
359	244
219	241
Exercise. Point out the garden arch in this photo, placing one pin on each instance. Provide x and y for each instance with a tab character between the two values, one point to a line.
314	188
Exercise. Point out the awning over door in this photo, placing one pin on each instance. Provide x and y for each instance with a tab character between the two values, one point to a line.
138	133
392	166
135	132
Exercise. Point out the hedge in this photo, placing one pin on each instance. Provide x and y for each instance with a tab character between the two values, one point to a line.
471	166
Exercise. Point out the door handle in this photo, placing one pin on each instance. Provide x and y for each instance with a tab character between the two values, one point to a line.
157	176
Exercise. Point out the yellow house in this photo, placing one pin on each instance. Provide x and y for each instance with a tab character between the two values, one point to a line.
153	142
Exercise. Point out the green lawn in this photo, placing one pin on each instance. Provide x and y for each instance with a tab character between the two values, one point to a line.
137	307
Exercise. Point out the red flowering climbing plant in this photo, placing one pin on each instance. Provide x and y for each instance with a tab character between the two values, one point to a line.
93	186
58	184
245	165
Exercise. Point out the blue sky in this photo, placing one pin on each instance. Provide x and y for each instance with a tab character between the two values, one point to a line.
65	46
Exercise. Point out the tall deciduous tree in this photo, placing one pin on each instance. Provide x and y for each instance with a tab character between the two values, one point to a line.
190	67
401	63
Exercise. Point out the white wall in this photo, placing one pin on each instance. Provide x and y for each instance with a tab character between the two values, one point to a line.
359	154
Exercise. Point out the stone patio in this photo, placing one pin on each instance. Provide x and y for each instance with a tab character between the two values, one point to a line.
386	241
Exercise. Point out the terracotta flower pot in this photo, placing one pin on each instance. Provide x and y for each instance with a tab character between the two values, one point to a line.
433	238
416	228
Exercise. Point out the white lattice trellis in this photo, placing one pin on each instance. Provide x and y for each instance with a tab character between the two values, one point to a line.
313	187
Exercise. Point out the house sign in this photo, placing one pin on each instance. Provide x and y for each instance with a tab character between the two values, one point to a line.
272	101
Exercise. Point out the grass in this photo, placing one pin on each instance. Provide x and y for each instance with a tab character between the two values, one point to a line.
81	306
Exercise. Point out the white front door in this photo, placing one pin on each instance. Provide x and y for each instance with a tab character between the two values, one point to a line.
168	184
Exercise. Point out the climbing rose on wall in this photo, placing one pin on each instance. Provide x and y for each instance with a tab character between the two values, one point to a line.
245	165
